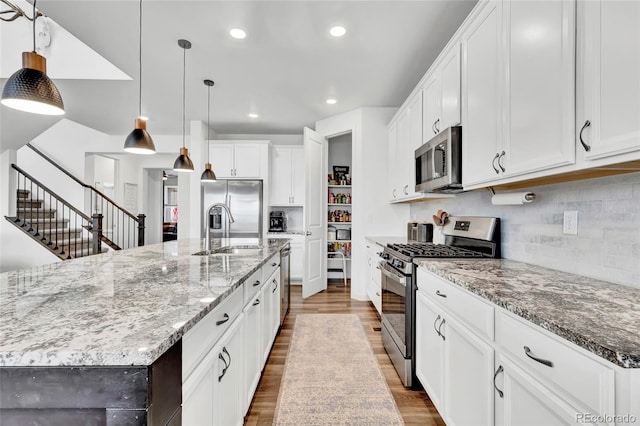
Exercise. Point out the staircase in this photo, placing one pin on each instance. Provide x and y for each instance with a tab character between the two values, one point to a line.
63	229
56	234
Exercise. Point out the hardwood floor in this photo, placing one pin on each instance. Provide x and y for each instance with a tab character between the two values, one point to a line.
415	406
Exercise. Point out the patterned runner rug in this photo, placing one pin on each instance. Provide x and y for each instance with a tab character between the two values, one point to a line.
332	377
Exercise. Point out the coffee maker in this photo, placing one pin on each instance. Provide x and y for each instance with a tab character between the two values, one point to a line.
277	221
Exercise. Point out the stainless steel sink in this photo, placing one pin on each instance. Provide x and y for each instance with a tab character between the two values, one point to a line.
231	251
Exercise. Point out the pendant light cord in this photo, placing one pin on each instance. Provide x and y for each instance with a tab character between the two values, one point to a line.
184	85
140	64
35	16
208	116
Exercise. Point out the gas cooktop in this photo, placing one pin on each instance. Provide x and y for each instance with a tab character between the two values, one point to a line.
433	250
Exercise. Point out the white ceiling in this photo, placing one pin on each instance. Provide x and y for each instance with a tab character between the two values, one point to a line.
284	70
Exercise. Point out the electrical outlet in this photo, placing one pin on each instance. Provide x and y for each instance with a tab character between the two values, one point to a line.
570	223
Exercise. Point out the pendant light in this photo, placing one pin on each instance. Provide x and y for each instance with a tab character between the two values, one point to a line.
183	163
29	89
208	175
139	141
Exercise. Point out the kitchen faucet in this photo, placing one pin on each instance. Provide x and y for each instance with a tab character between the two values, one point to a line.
207	239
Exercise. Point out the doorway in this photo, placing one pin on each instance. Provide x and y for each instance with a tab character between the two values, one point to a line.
169	206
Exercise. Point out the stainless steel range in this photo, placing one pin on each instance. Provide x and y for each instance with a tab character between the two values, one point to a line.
465	237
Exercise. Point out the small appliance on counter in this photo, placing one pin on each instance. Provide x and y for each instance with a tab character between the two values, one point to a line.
421	232
277	221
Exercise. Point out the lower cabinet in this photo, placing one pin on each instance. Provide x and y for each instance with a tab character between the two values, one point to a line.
374	290
253	356
211	394
520	399
454	366
519	375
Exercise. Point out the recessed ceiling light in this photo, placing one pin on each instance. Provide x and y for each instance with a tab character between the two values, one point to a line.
253	115
331	101
237	33
337	31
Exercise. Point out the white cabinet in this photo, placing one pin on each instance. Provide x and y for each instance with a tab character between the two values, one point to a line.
287	176
441	92
608	82
454	365
270	296
296	262
393	179
522	400
236	160
517	95
212	393
481	96
407	138
253	356
374	289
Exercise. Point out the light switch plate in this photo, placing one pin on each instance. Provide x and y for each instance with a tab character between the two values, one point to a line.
570	223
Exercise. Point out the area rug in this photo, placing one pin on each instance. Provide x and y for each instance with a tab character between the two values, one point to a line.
332	377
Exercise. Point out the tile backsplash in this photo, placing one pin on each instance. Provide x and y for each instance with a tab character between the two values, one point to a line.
607	246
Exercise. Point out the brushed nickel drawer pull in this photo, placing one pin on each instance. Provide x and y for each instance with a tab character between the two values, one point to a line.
440	294
222	321
527	351
498	371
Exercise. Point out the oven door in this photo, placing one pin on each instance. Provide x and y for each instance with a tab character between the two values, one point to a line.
395	300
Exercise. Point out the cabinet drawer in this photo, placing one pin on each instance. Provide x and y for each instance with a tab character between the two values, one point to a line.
572	374
252	285
468	308
270	266
204	335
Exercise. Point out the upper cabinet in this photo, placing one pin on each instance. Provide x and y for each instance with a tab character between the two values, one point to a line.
287	176
608	114
518	90
441	92
407	137
237	160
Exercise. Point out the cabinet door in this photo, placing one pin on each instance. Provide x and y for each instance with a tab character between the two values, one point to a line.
297	176
281	163
432	112
252	349
525	401
228	378
404	162
468	375
265	326
450	91
246	160
429	350
481	91
197	392
392	162
540	81
274	294
609	66
221	159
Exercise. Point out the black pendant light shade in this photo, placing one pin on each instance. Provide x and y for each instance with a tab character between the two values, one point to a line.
208	175
139	141
30	90
183	163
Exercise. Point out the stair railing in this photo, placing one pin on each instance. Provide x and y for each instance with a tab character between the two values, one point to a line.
122	229
55	223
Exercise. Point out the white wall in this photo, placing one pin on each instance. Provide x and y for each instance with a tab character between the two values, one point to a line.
274	139
372	214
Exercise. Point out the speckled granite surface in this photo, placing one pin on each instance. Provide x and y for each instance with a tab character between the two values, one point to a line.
601	317
383	241
275	234
118	308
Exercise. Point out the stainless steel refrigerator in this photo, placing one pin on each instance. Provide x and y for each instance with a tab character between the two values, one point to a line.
244	198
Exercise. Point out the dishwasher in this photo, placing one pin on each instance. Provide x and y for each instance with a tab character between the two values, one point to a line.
285	284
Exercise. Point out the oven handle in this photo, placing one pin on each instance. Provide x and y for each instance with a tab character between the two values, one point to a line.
395	277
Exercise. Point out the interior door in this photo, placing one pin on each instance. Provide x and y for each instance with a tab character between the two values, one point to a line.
315	222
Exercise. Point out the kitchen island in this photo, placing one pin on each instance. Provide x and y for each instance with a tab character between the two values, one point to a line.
97	340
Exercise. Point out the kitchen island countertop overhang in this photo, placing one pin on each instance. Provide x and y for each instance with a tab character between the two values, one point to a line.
119	308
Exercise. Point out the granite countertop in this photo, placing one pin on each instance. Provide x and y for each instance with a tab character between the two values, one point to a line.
601	317
383	241
119	308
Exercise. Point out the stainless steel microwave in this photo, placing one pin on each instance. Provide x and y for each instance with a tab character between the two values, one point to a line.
439	163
